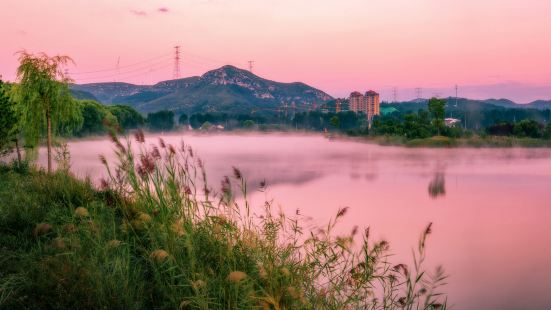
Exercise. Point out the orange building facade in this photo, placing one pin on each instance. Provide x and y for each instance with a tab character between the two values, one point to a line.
368	103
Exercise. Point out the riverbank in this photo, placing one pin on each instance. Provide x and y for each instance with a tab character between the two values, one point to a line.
154	237
474	141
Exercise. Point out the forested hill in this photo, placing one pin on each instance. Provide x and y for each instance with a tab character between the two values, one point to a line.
227	89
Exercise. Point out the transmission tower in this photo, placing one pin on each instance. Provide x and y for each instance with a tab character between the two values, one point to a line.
456	94
418	92
118	69
251	63
394	94
177	62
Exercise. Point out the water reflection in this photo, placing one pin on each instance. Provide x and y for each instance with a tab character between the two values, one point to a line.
437	186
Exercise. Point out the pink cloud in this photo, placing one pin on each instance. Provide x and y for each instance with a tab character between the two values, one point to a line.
163	10
138	12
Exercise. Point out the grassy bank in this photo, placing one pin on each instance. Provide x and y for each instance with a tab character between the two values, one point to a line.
153	235
474	141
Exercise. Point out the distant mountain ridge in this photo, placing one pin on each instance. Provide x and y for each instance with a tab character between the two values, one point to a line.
227	89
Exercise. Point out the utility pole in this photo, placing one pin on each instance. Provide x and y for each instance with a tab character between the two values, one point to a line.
176	74
251	63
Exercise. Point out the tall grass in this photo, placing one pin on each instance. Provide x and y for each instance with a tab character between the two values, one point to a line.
156	235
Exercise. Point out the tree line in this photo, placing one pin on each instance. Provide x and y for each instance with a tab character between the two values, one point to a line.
431	121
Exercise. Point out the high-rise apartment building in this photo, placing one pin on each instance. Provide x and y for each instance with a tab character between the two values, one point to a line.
367	103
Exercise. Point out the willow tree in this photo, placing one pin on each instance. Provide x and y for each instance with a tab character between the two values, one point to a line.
44	99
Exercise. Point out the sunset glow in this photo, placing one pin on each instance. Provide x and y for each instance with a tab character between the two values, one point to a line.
486	47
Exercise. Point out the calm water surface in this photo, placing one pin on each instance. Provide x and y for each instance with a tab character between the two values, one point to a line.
491	208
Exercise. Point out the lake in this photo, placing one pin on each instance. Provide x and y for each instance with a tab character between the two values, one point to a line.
491	208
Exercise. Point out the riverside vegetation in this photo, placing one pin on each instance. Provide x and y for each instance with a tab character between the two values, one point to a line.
154	234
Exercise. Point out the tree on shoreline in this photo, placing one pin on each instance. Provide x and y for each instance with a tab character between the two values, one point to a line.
437	110
44	99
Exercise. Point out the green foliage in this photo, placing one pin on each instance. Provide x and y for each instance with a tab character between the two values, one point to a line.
96	118
528	128
501	129
547	131
524	128
412	126
316	120
248	124
183	119
162	120
334	121
43	95
9	120
127	117
206	126
436	109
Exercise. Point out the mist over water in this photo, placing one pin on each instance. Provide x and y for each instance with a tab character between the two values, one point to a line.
491	208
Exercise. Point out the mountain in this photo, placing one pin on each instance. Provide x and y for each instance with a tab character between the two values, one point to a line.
227	89
83	95
541	104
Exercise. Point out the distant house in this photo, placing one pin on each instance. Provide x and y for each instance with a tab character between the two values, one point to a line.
450	121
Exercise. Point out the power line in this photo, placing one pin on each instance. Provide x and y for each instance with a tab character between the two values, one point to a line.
122	67
118	74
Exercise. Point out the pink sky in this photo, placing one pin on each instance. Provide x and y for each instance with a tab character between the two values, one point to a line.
335	45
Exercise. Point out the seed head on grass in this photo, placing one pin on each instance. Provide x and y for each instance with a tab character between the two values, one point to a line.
262	272
198	284
124	227
144	217
293	292
237	173
58	244
93	226
70	228
237	276
42	229
138	224
178	229
81	212
139	136
159	255
113	243
342	212
285	272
